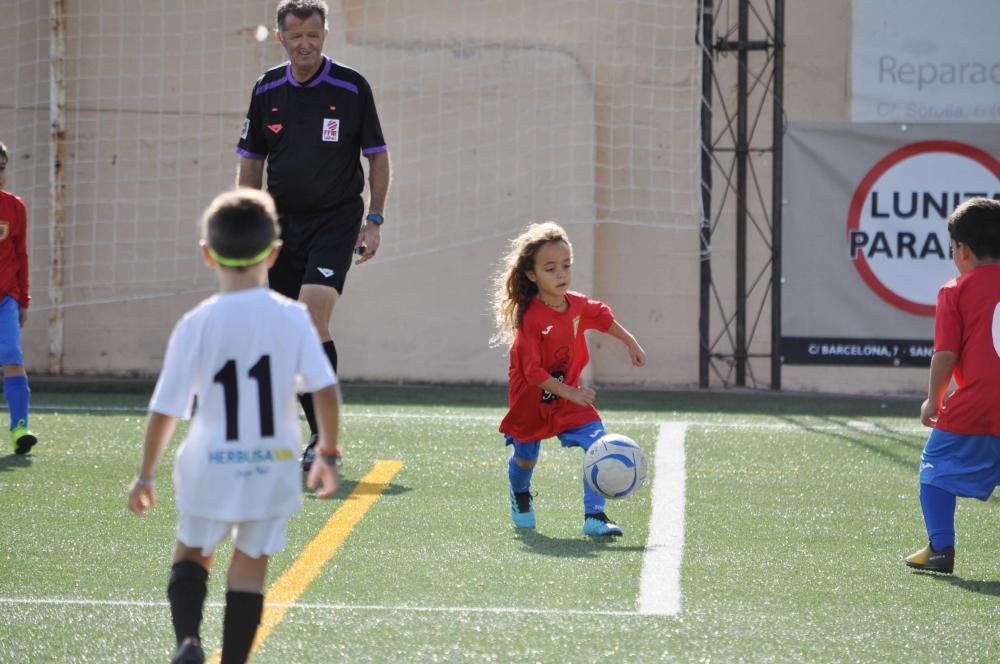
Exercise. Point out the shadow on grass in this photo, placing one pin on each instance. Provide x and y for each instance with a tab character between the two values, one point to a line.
900	448
571	547
14	461
991	588
347	487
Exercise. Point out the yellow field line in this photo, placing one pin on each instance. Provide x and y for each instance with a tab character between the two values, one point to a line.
321	549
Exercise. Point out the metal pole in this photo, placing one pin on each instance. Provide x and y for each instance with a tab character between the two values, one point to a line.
742	154
705	236
57	184
777	168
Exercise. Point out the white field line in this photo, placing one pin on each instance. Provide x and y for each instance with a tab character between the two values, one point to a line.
660	583
860	426
385	608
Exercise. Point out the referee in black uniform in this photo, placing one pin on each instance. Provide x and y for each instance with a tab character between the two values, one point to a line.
311	119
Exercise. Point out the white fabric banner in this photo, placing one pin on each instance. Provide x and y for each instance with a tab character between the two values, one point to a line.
865	243
925	61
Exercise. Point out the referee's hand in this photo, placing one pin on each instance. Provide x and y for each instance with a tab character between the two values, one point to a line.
368	241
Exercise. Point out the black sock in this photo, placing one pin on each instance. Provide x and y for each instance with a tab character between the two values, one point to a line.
186	592
306	400
243	611
331	352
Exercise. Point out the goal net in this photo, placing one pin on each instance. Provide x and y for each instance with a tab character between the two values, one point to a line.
121	120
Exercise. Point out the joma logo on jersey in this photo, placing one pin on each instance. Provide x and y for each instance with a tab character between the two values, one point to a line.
331	130
4	230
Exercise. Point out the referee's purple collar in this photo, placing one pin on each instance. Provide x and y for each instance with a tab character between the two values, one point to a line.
315	80
323	76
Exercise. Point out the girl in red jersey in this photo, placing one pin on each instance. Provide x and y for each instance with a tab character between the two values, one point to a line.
544	321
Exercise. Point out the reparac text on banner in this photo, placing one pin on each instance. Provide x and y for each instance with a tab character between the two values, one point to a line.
925	61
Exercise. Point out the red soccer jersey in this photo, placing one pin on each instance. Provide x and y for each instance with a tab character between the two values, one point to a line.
13	248
548	344
967	322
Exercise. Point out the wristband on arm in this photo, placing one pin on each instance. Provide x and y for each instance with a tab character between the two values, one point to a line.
333	460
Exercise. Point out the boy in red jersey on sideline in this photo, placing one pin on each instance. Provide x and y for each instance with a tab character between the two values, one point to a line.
14	298
544	322
962	453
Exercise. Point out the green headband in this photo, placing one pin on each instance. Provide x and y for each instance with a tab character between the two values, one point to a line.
240	262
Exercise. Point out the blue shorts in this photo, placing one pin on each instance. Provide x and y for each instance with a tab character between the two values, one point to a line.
10	332
966	466
582	436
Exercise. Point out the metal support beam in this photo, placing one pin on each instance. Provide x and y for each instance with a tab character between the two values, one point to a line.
705	234
732	196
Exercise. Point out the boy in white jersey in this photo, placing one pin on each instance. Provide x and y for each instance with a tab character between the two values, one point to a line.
241	356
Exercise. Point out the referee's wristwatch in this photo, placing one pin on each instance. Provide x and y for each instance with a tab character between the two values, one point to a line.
376	218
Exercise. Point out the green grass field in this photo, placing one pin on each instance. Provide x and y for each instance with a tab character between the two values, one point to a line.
797	515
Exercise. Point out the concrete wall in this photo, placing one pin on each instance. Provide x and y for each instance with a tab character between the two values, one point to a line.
497	113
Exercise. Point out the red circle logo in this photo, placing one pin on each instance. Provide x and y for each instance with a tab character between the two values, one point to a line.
897	222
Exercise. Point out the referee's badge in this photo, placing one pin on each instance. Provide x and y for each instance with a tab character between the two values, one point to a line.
331	130
246	128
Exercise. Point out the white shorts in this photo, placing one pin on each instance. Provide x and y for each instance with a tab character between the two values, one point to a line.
254	538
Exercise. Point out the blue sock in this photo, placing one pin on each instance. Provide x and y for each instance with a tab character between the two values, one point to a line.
939	515
15	390
593	502
520	478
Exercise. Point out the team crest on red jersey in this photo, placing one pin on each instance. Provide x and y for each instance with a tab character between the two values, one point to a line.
4	229
331	130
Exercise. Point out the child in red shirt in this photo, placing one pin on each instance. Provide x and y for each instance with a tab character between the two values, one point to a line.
962	453
14	299
544	321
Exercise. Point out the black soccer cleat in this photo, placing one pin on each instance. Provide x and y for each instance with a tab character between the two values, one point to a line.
309	455
929	560
189	652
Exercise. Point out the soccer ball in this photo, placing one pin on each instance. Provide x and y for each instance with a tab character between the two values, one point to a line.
614	466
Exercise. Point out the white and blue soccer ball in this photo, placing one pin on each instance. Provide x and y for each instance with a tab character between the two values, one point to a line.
614	466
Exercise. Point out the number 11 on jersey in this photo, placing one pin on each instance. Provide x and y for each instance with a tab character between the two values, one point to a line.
261	372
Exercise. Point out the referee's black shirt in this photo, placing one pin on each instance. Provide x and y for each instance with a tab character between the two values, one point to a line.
312	135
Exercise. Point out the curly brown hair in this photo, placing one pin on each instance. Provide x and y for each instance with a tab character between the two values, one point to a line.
513	290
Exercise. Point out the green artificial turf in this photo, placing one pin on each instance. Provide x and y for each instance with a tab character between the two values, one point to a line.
798	512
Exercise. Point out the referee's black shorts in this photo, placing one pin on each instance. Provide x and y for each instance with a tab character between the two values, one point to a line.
316	249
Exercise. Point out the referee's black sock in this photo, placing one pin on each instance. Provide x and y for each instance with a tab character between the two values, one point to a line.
186	592
306	401
239	626
331	352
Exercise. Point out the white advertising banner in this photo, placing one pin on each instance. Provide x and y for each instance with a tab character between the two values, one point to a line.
865	244
930	61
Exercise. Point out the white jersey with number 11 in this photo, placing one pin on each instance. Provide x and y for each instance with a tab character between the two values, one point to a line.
241	358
